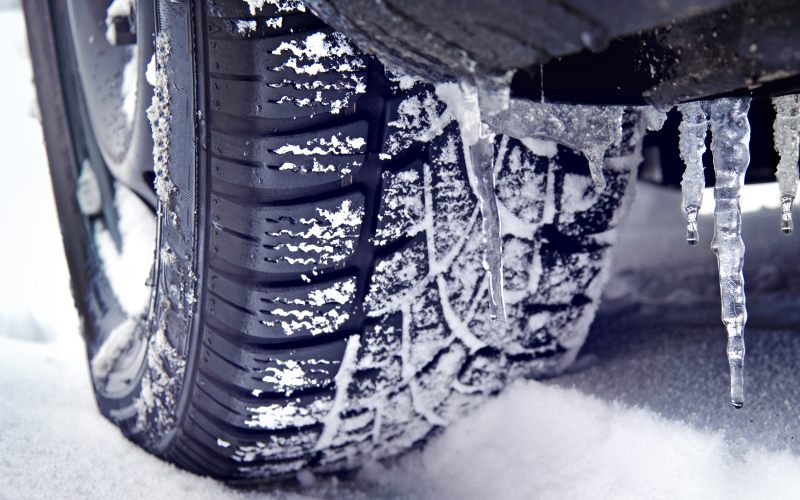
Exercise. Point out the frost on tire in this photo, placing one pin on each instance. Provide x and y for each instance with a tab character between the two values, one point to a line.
432	352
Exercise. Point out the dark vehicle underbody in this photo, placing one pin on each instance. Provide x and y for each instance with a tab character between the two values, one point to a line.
599	52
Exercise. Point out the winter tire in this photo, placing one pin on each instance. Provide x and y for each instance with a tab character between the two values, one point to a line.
316	293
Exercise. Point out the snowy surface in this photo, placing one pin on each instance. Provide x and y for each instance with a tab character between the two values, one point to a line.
644	414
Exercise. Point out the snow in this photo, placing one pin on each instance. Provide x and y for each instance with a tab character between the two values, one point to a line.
118	340
333	421
244	27
280	5
643	414
312	54
158	113
129	88
128	269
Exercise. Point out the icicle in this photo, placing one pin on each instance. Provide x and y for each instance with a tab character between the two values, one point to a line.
786	129
730	132
692	144
482	156
471	105
493	98
590	129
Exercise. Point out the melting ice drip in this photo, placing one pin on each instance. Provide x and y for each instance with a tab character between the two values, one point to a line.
482	156
786	129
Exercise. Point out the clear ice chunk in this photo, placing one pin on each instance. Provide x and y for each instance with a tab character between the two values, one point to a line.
786	130
692	145
653	118
589	129
730	133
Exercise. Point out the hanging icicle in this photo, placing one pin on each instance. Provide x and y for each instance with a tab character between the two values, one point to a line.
471	104
482	164
692	145
786	129
730	133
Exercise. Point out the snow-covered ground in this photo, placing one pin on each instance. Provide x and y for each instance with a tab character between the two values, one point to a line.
644	414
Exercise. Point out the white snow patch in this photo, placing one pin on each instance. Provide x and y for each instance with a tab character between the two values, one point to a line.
289	377
150	72
333	419
281	5
320	53
581	447
118	340
130	84
540	147
129	268
324	146
244	27
281	416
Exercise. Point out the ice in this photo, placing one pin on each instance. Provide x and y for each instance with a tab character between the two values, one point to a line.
786	129
653	118
484	109
730	132
692	145
472	104
482	165
589	129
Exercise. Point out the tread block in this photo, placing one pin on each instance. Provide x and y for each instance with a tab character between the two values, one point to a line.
522	180
258	370
455	207
281	313
305	238
265	24
395	277
256	99
402	208
310	152
264	413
